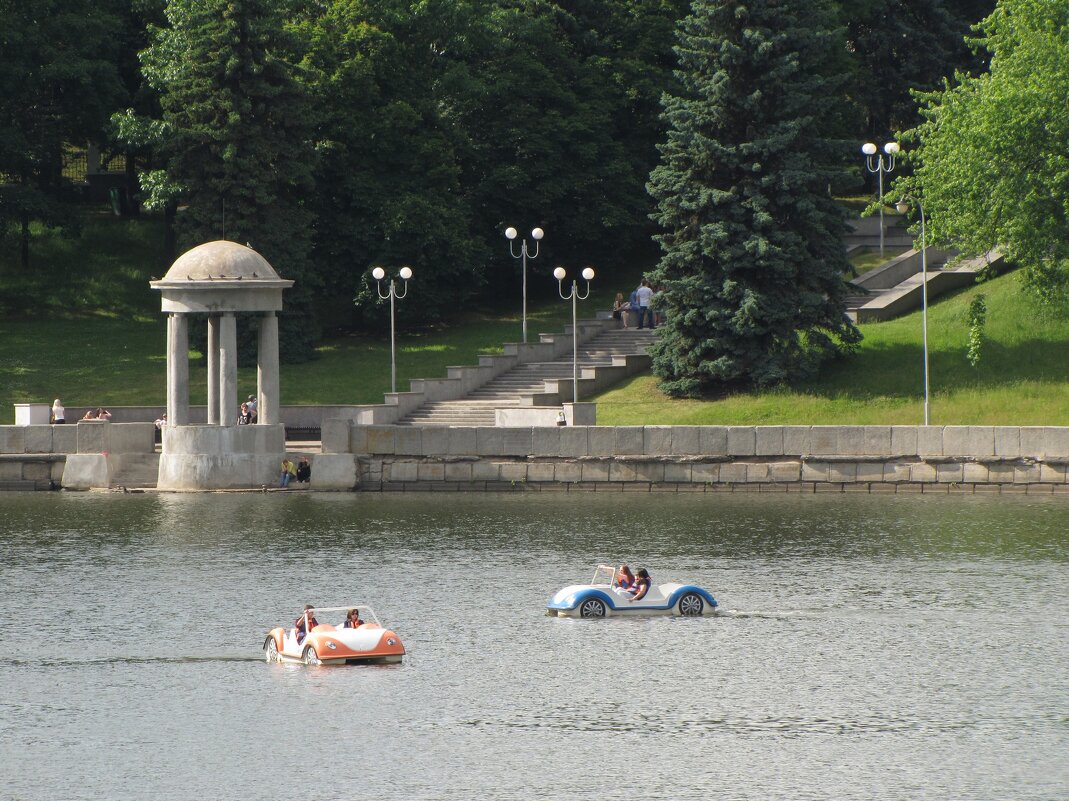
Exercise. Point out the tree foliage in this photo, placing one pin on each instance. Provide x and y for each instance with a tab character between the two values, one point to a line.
901	46
753	258
991	161
236	141
58	84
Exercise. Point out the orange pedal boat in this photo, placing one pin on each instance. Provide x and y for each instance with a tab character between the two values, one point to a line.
329	644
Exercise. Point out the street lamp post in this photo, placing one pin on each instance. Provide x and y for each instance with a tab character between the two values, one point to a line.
378	273
903	207
879	166
574	296
524	254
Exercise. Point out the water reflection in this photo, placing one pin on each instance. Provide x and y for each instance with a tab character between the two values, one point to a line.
866	646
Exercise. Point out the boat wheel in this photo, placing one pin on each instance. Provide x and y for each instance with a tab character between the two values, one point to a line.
592	608
691	605
270	650
311	657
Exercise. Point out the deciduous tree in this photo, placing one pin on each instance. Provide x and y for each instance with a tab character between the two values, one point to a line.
58	86
991	161
236	141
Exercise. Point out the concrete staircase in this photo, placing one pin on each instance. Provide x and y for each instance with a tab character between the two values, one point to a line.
897	287
536	383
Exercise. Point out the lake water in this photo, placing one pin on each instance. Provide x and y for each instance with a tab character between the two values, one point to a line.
868	647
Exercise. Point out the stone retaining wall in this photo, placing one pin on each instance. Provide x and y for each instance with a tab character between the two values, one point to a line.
702	458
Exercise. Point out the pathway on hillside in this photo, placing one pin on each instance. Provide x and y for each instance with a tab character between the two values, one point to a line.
512	389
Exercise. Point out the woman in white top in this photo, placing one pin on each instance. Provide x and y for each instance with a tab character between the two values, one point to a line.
59	414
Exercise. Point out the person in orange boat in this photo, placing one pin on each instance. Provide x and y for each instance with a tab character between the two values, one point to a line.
307	616
352	620
641	586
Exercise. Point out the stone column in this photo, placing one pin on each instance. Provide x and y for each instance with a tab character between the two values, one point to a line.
213	369
267	371
177	369
228	369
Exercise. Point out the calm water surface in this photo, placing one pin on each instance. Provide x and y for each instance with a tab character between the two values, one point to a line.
868	647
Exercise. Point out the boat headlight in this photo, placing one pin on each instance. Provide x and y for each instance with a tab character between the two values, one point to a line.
391	641
332	645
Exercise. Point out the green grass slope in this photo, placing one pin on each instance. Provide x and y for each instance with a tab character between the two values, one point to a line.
82	324
1023	378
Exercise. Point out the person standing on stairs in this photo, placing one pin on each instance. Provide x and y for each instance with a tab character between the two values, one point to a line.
643	295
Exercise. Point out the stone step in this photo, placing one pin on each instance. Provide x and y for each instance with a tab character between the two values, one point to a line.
508	390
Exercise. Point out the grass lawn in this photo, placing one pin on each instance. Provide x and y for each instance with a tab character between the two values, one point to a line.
1023	378
110	350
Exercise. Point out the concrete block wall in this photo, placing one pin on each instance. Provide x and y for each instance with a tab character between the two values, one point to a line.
712	458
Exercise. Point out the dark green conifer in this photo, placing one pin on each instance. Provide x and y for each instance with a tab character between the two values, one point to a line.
753	258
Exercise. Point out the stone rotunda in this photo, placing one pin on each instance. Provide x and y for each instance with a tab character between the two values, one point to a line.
217	280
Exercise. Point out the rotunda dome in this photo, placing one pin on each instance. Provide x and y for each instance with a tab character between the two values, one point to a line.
221	261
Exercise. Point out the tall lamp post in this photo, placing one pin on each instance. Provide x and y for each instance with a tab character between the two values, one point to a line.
875	162
524	254
574	296
378	274
903	207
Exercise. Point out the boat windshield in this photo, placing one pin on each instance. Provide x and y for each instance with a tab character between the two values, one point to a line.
335	615
604	574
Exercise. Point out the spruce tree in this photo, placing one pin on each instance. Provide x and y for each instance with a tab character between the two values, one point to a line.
753	257
237	125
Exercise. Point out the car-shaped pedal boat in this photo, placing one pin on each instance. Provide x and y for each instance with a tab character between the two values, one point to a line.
334	644
603	597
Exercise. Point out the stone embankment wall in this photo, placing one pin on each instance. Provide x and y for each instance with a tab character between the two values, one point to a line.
41	457
708	458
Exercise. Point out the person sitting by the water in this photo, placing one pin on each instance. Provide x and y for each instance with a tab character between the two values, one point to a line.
304	471
352	620
641	586
90	414
103	414
624	577
289	472
305	623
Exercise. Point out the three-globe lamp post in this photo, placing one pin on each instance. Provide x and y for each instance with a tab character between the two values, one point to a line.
524	254
573	296
391	294
874	161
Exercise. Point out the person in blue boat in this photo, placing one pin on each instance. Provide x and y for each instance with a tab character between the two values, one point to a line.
352	620
305	623
624	577
641	585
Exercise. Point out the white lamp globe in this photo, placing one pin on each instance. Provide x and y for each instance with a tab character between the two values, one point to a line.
537	233
902	206
378	273
406	273
510	233
891	148
588	273
559	273
869	149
